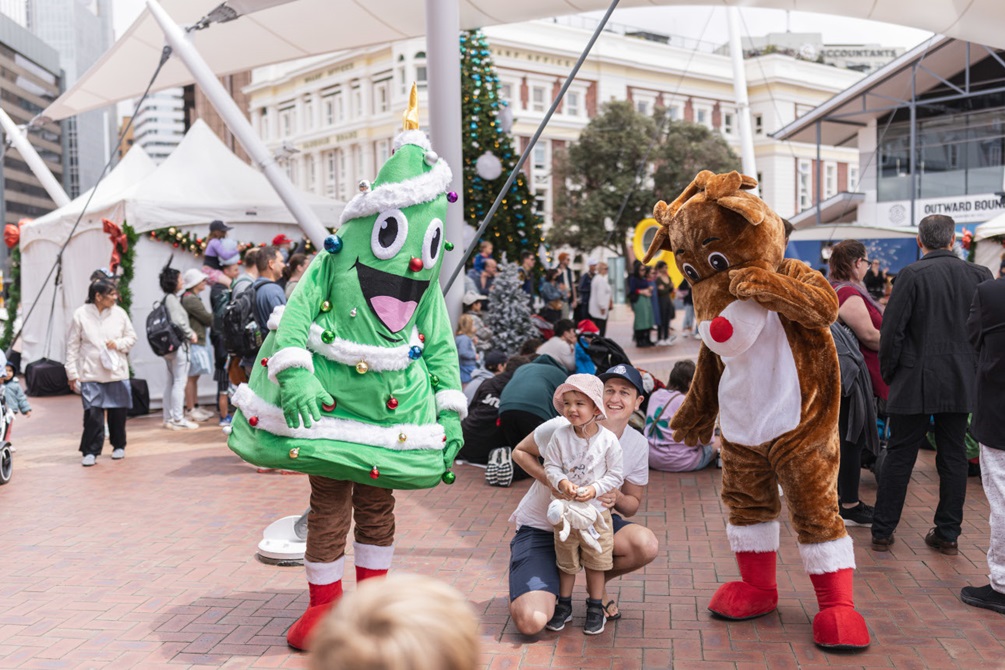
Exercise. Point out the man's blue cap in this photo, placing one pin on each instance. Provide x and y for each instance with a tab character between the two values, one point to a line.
626	372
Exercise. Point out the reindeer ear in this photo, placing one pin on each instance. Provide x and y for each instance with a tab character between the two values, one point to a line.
747	183
659	213
750	207
661	242
697	184
722	185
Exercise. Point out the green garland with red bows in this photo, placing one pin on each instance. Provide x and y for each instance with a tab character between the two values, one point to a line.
196	244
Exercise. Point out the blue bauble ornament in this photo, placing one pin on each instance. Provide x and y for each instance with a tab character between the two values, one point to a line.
415	353
333	244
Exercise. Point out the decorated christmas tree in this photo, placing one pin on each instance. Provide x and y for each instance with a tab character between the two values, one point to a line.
489	156
509	312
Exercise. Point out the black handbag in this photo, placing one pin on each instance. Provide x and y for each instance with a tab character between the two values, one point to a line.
141	397
45	377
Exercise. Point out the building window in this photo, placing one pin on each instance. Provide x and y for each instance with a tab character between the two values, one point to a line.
830	180
540	160
642	107
853	178
703	117
675	112
286	121
308	113
357	102
728	123
330	172
382	151
310	168
339	108
573	105
420	69
264	124
537	99
505	91
381	98
758	124
328	107
804	184
341	176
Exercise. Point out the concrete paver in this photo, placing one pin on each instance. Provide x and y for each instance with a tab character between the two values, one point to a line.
149	562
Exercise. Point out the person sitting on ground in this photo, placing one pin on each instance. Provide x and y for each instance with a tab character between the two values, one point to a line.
553	294
582	460
533	572
665	453
17	401
587	330
561	347
495	362
474	304
481	427
399	622
465	339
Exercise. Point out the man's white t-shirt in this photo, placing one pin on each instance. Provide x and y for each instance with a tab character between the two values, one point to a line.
533	508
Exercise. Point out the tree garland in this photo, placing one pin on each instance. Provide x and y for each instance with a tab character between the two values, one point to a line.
13	296
196	245
127	263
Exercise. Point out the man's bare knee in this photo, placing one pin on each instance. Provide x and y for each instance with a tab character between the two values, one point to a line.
531	611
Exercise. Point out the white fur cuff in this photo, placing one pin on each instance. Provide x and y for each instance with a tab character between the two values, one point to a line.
759	538
826	557
371	556
324	573
276	317
416	137
398	195
453	401
290	357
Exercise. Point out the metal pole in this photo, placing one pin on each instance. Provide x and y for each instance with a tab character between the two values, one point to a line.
34	161
443	62
239	126
533	140
817	194
912	164
740	93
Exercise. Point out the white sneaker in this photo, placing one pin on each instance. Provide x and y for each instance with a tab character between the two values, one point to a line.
671	340
198	415
184	424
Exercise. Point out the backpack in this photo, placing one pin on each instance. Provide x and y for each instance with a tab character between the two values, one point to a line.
219	303
163	336
241	334
606	353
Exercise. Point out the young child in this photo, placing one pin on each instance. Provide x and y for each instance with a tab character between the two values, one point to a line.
218	250
466	339
484	253
402	621
582	462
16	400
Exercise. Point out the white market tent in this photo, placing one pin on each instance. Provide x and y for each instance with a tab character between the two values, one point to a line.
300	28
200	181
838	232
989	251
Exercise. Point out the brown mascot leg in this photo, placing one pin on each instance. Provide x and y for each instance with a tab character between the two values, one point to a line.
324	561
373	510
808	475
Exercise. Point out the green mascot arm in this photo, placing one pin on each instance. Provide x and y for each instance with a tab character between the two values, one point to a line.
440	356
292	365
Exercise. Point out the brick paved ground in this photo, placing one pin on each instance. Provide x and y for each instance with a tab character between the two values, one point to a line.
149	562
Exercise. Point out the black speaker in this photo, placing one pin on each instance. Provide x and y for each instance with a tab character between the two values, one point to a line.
45	377
141	397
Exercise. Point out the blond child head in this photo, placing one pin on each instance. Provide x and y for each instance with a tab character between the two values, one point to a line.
403	622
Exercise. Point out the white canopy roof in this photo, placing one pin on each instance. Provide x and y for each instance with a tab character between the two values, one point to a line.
838	232
992	228
55	226
307	27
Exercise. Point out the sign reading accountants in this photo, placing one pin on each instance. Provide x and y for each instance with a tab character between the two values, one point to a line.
963	209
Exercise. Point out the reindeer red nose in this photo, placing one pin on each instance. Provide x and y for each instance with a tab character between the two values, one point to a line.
720	329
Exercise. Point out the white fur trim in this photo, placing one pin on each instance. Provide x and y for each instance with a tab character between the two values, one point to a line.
276	317
371	556
827	557
271	420
416	137
399	195
380	359
452	400
759	538
290	357
324	573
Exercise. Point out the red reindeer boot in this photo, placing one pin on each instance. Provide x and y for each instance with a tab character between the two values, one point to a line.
323	597
756	553
371	560
831	567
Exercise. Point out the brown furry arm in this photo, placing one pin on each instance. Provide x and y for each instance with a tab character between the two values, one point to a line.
796	291
694	422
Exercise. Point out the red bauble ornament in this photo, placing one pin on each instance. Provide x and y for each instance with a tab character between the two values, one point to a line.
422	338
415	264
392	403
252	421
374	472
265	362
329	408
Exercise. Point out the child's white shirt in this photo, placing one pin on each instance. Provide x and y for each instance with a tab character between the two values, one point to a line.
595	461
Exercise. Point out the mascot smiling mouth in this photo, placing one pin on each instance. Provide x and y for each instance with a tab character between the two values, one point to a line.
392	298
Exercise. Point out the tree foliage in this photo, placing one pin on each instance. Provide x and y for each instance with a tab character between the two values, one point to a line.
509	313
625	153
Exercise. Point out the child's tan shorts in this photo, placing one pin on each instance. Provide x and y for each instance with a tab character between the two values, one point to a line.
573	554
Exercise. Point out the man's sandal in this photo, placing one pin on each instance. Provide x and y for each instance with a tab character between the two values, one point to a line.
607	612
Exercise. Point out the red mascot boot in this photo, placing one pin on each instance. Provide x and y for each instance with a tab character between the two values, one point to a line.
323	598
371	560
756	552
831	567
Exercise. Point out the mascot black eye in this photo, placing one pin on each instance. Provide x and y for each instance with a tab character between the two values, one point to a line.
389	233
691	273
431	243
718	261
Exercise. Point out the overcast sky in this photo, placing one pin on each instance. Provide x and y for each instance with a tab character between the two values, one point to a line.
691	22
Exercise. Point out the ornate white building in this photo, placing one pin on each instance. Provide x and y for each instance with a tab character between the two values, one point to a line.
332	117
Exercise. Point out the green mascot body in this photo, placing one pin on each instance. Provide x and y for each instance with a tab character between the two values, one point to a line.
358	384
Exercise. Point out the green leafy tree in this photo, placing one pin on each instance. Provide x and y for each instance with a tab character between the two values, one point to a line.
687	149
599	170
489	156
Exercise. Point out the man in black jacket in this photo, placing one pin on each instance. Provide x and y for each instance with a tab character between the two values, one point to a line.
926	358
987	333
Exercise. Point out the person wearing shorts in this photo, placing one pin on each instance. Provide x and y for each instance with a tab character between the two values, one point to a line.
534	573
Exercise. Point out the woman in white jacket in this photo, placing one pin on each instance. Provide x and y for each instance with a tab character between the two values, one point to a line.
97	367
600	304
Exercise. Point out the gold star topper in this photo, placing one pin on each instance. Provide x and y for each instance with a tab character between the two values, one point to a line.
410	119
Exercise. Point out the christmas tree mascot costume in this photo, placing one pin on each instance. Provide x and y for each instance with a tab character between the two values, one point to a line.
358	384
769	369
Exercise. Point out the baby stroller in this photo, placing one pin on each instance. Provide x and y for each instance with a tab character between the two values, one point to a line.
6	452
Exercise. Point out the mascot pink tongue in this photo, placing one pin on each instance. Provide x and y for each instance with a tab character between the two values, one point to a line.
392	312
